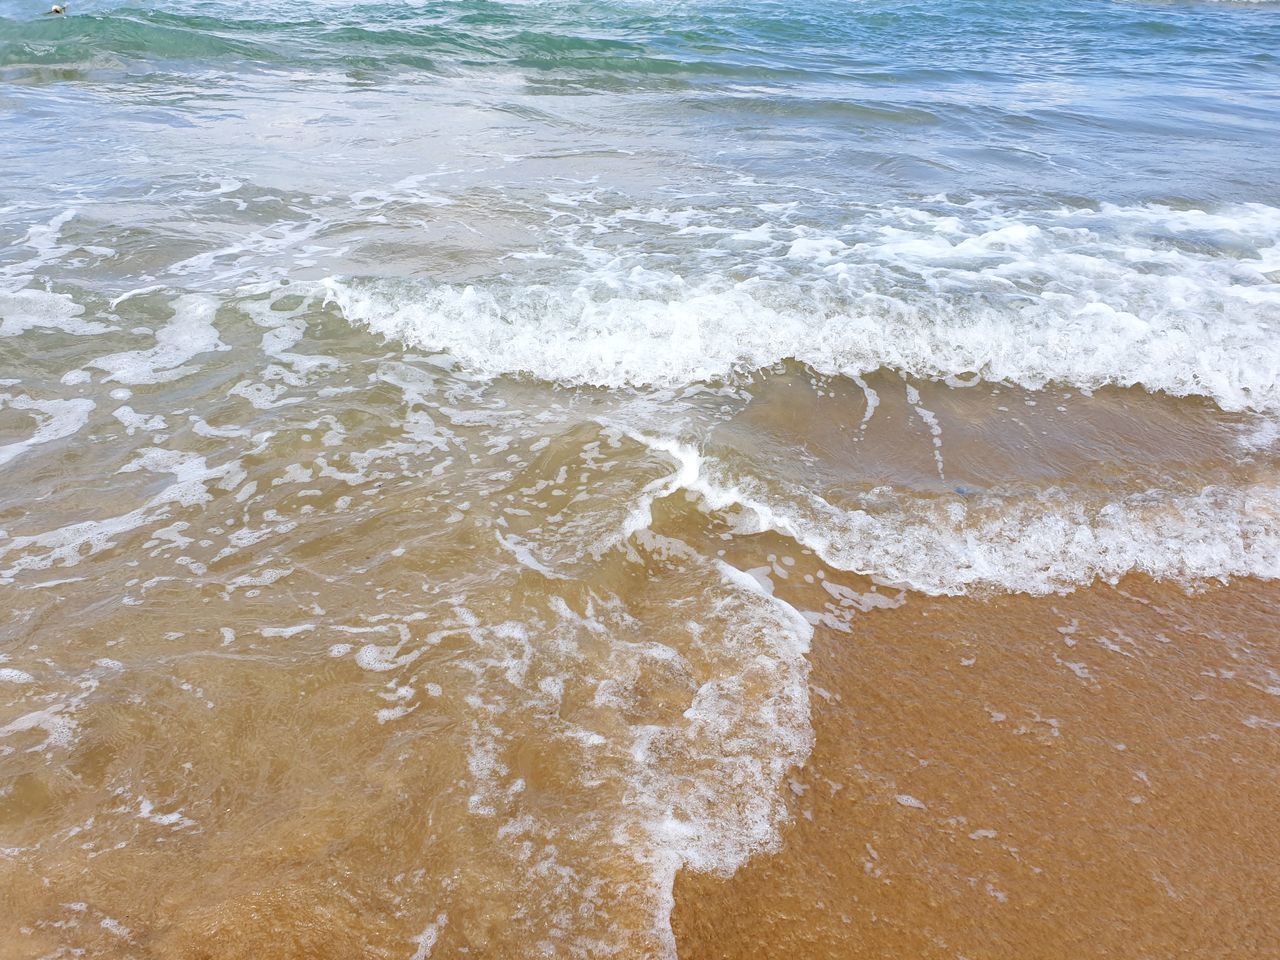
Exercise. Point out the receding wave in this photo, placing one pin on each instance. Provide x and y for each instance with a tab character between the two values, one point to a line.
1049	541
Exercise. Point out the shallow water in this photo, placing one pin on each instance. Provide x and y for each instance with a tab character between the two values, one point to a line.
475	473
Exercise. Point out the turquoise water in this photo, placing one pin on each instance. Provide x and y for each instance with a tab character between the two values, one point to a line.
653	152
1094	101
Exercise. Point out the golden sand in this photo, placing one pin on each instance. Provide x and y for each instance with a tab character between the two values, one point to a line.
1091	775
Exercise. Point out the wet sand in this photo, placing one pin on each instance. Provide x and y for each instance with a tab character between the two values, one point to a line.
1091	775
482	681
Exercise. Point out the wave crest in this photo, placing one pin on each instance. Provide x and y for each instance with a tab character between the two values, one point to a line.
1180	301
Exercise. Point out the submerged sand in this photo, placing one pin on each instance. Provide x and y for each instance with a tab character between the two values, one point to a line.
461	666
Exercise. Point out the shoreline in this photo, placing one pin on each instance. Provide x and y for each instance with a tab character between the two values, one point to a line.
1087	775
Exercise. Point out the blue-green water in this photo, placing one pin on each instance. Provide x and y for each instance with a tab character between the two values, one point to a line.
629	149
1092	101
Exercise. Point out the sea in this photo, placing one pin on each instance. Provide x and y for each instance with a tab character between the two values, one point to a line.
635	479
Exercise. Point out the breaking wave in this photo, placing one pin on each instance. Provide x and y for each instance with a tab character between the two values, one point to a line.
1186	302
1050	541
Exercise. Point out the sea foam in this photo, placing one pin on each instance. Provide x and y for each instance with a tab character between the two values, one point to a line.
1046	541
1181	301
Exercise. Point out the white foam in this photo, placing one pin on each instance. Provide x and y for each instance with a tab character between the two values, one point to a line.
55	419
931	421
723	803
1182	301
189	333
1049	541
873	401
426	940
31	309
689	778
69	545
134	421
382	658
59	728
116	928
45	240
1260	434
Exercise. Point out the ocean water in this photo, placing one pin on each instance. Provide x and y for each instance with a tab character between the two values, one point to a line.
437	438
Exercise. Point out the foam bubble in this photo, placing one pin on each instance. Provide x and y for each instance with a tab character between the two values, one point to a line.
71	544
30	309
189	333
59	728
426	940
678	737
1182	301
55	419
1047	541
